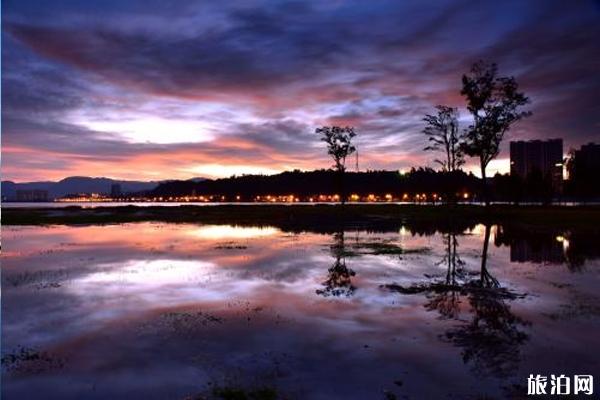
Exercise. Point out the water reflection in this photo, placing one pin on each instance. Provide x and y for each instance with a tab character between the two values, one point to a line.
339	278
491	337
447	300
99	311
549	245
212	232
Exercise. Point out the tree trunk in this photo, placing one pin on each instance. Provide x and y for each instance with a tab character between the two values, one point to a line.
454	245
484	254
449	190
341	187
484	189
449	261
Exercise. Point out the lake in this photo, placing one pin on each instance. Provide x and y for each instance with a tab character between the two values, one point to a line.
186	311
104	204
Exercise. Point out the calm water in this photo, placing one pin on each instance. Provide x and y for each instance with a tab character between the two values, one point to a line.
96	204
169	311
92	204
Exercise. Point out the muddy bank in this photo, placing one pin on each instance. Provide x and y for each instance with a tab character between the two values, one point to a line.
320	218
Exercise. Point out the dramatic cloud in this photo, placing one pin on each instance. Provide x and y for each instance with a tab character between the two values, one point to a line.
156	89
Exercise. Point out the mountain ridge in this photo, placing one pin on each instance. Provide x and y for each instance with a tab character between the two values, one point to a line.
78	184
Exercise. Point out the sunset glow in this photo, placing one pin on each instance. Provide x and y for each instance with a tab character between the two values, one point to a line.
155	131
133	91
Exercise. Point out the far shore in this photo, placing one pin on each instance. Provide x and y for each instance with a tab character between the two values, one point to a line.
321	217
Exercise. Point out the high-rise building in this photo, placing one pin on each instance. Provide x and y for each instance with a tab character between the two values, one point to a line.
587	158
583	171
538	156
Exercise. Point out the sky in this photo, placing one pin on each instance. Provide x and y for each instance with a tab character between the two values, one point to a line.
158	89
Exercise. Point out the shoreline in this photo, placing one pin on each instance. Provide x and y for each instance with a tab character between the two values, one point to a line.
316	216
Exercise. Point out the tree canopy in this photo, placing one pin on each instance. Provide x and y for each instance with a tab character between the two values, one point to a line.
495	104
442	130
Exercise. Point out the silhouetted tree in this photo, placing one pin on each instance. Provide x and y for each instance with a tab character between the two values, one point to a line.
507	187
444	136
495	105
339	146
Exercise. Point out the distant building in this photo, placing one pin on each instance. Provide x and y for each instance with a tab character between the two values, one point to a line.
587	158
541	156
115	190
583	170
32	195
82	197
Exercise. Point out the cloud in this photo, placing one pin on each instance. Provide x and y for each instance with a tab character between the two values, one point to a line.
84	83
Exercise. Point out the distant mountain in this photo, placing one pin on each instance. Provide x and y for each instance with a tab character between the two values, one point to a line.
197	179
76	184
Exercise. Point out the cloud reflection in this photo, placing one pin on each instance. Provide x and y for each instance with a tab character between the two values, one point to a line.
216	232
124	303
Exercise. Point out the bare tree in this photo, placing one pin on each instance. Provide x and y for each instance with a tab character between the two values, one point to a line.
444	136
495	104
339	146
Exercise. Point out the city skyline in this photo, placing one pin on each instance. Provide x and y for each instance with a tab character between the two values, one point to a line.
153	90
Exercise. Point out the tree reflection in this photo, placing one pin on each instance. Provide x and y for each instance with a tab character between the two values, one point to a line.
486	279
339	278
492	339
492	336
446	300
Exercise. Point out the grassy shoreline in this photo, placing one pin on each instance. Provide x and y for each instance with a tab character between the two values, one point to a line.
310	217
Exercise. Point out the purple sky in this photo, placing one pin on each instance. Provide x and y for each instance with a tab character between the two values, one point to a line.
174	89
